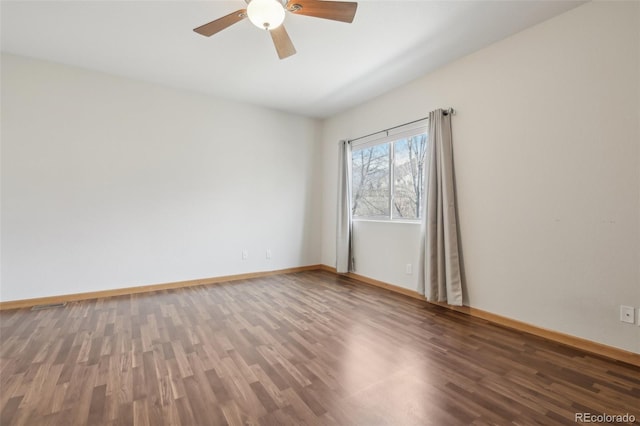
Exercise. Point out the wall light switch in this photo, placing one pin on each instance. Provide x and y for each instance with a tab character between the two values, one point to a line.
408	269
627	314
268	254
245	254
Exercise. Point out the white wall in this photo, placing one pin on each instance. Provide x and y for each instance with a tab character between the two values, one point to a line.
111	183
383	251
546	145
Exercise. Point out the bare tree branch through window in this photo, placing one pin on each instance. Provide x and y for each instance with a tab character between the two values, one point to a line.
374	195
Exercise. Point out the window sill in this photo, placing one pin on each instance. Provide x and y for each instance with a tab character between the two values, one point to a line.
406	221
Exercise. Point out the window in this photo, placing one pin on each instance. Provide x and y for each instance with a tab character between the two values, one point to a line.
371	174
388	177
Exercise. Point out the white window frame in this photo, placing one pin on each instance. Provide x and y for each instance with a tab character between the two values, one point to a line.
389	137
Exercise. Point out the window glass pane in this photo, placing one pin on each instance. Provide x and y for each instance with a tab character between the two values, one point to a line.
408	176
370	190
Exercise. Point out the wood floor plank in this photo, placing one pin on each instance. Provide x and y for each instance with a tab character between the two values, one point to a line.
10	408
302	348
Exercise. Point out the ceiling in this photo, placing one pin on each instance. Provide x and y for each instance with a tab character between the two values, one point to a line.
337	66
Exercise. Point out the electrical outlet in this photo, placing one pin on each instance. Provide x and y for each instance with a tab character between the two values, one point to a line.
268	254
408	269
245	254
627	314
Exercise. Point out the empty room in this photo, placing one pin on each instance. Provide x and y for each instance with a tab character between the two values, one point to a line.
316	212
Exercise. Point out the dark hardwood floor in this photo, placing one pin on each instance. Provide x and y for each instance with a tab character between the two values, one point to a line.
304	348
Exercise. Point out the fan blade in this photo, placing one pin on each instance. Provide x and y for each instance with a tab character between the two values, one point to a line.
221	23
343	11
283	43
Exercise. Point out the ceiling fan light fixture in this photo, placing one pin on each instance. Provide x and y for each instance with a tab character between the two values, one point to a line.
269	15
266	14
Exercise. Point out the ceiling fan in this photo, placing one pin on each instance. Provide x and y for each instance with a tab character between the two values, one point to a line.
269	15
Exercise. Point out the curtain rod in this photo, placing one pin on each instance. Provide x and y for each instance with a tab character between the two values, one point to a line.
446	111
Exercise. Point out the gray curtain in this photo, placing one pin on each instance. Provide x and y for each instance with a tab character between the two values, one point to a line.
439	271
344	252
